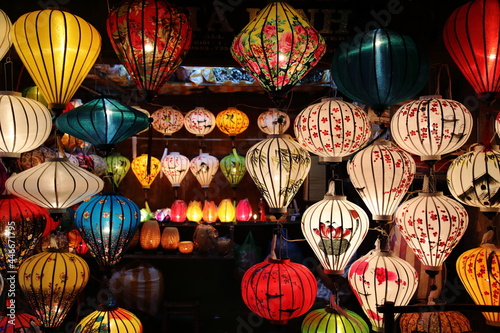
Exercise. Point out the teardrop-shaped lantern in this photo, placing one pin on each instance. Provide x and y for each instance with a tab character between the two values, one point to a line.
334	228
103	122
431	127
167	120
381	174
278	47
144	173
232	121
226	211
204	167
332	129
110	319
380	68
58	49
436	322
472	37
379	277
175	167
150	38
278	166
178	211
233	168
432	225
194	212
55	184
199	121
209	212
244	210
25	124
5	27
273	121
107	222
117	167
330	320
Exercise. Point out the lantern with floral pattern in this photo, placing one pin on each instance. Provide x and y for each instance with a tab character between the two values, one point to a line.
110	318
175	167
167	120
146	168
199	121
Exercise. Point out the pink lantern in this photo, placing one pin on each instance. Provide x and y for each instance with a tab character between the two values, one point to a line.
243	210
199	121
178	211
167	120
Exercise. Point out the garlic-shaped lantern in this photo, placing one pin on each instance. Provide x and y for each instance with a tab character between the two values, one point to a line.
175	167
146	168
273	121
204	167
199	121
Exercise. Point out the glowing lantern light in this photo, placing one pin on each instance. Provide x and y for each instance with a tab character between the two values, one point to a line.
146	174
233	168
226	211
167	120
110	318
199	121
150	236
5	40
117	167
209	212
273	121
243	210
175	167
204	167
436	322
331	320
194	212
232	121
178	211
332	129
170	238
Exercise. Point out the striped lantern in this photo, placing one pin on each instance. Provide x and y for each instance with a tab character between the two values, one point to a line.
278	166
55	184
204	167
379	277
109	319
5	40
232	121
334	228
117	167
278	289
145	169
332	129
435	322
273	121
233	168
167	120
381	174
175	167
431	127
334	321
22	322
199	121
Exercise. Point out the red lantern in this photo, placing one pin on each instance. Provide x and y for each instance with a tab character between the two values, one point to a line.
278	290
178	211
243	210
22	322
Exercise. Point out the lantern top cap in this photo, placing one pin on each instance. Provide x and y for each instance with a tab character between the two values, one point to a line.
327	99
278	261
430	194
11	93
431	97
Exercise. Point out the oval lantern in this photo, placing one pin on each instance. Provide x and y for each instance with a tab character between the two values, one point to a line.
110	319
278	290
150	38
472	37
278	166
330	320
150	236
232	121
5	39
170	238
244	210
226	211
204	167
431	127
209	212
273	121
107	223
194	212
22	322
332	129
146	174
117	167
58	50
175	167
436	322
167	120
379	277
233	168
199	121
381	174
178	211
334	228
380	68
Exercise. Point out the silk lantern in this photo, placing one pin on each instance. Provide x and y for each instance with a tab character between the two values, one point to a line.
51	282
226	211
379	277
278	47
331	320
109	318
233	168
243	210
145	173
58	49
199	121
150	237
23	322
107	223
380	68
204	167
35	93
175	167
436	322
472	37
55	184
103	122
479	271
273	121
232	122
167	120
150	37
117	167
381	174
170	238
332	129
194	212
278	290
431	127
209	212
178	211
5	39
334	228
278	166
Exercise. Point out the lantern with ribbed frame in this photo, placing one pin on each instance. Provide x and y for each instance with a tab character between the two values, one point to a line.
145	173
435	322
332	129
117	167
110	318
5	40
204	167
199	121
330	320
273	121
167	120
431	127
23	322
232	121
175	167
233	168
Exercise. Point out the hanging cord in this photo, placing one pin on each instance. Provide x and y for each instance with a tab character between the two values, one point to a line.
8	68
438	84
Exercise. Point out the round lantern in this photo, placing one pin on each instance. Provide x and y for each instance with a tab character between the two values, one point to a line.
58	50
278	48
209	212
334	228
232	121
472	37
244	210
204	167
226	211
431	127
332	129
330	320
5	40
175	167
194	212
199	121
380	68
167	120
150	38
273	121
35	93
145	173
22	322
109	318
436	322
117	167
380	277
51	282
178	211
432	225
479	271
381	174
278	166
107	222
103	122
233	168
278	289
170	238
55	184
150	235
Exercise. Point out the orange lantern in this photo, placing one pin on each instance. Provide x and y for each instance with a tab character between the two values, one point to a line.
186	247
209	212
232	122
435	322
226	211
194	212
150	235
170	238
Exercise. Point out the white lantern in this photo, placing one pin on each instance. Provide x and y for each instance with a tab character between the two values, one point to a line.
5	41
175	167
278	166
167	120
379	277
381	174
431	127
334	228
199	121
204	167
273	121
332	129
432	225
55	184
25	124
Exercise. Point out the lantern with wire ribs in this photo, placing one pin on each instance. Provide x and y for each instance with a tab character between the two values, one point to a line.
146	168
436	322
5	39
204	167
117	167
110	318
232	121
332	320
199	121
167	120
273	121
233	168
175	167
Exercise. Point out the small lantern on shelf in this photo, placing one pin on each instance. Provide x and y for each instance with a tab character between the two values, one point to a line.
226	211
178	211
170	238
186	247
243	210
209	212
194	212
150	236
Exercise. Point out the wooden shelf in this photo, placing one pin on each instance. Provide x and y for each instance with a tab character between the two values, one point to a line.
175	256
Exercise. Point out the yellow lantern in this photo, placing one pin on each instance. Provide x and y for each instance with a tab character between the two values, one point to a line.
5	41
209	212
232	122
226	211
150	235
170	238
194	212
58	50
140	169
110	318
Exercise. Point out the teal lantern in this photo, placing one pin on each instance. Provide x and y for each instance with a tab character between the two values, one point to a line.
334	321
233	168
380	68
103	122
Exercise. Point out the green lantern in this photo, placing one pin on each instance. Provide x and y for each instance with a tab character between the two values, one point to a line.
35	93
116	168
334	321
233	168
